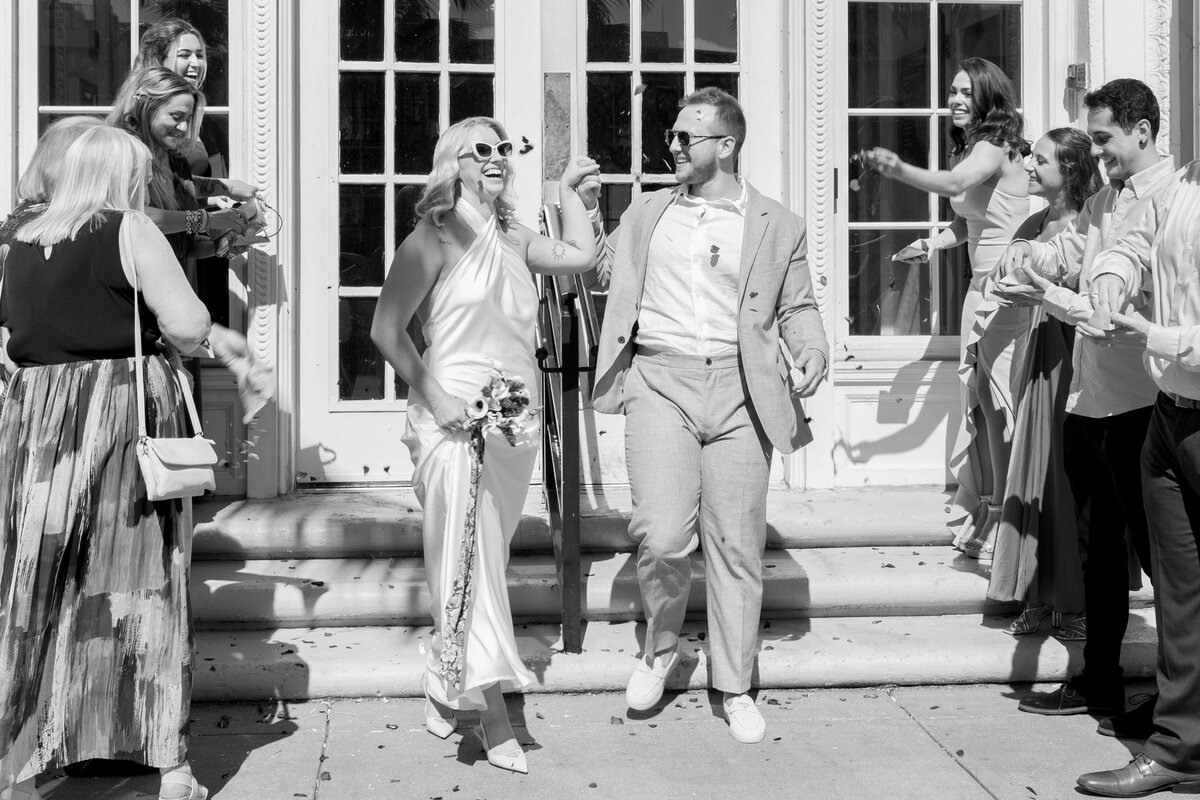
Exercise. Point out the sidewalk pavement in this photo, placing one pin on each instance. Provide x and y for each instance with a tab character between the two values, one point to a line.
952	742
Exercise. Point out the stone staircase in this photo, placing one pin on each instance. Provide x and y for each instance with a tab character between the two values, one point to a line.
323	594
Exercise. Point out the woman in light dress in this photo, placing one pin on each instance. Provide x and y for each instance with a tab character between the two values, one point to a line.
465	272
1037	558
988	190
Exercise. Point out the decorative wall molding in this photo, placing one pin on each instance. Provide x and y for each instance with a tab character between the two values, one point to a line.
817	115
1158	64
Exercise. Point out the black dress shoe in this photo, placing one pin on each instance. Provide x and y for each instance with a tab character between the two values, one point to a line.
1138	778
1136	723
1070	699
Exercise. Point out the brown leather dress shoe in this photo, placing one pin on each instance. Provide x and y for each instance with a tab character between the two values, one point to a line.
1138	778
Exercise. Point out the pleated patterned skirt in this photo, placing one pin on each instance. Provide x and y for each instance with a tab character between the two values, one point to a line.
95	626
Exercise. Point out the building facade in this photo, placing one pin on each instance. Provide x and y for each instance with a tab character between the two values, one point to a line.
333	108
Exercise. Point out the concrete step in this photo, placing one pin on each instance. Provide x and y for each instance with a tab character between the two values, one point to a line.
387	523
828	582
795	653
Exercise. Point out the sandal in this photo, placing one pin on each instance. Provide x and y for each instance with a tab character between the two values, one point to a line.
181	778
1028	621
1073	631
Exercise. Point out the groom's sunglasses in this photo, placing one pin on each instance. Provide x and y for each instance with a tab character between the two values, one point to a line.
687	139
483	150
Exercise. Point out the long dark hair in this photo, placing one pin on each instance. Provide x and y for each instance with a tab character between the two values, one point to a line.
995	118
1081	173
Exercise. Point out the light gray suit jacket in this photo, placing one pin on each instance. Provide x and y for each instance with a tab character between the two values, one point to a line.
775	301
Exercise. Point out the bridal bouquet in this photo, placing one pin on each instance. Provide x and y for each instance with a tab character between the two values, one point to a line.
503	405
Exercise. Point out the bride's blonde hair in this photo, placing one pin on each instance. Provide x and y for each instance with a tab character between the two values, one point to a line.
442	188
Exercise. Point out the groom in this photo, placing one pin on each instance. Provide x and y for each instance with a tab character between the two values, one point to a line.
707	278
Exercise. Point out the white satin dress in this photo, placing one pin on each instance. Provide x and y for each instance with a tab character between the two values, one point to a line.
481	315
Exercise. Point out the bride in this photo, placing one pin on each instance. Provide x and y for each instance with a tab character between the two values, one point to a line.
465	272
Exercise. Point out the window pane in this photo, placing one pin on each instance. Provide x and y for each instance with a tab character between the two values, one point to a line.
211	18
722	80
417	30
889	55
887	298
716	31
406	209
954	276
361	23
608	31
416	122
214	135
360	365
46	120
83	51
360	233
873	198
660	107
472	96
360	129
472	33
662	31
990	30
615	198
609	113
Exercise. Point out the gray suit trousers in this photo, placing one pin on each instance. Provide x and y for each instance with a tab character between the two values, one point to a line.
699	464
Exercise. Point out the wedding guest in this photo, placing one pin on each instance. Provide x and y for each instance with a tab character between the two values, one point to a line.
1155	265
989	193
95	630
1110	400
465	271
1037	553
164	111
690	353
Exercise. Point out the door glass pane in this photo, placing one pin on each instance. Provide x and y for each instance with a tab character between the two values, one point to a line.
360	365
662	31
416	122
360	235
615	198
360	125
727	81
887	298
417	30
406	209
471	96
889	55
609	114
83	51
472	33
418	339
954	273
660	107
361	28
989	30
608	31
876	199
716	31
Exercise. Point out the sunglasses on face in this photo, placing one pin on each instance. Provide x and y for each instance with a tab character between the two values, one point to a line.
483	150
688	139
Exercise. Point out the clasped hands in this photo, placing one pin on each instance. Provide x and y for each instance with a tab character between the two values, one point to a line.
1021	284
582	175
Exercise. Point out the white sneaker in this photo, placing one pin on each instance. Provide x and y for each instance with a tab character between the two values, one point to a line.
648	681
746	724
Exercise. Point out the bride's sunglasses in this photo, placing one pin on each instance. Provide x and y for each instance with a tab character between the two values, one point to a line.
483	150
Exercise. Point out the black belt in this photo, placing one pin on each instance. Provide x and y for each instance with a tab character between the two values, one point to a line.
1182	402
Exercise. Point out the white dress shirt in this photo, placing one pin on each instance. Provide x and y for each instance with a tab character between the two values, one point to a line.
689	298
1105	380
1159	254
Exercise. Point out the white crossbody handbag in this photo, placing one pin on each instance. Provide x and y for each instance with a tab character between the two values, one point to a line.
172	467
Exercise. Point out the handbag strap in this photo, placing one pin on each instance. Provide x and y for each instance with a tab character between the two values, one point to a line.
138	366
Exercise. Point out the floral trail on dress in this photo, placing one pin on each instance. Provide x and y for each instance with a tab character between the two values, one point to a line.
503	405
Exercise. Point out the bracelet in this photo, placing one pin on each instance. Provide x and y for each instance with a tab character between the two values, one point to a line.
191	222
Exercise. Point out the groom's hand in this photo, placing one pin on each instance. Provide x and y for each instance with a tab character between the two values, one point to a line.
808	373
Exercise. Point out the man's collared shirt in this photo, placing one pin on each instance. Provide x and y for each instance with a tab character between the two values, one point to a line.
1159	254
689	298
1105	380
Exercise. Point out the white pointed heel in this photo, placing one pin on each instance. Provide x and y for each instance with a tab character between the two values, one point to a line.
435	723
513	760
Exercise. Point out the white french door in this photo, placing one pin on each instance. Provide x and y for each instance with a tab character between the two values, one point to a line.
379	80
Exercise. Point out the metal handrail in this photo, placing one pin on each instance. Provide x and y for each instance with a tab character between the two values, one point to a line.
567	323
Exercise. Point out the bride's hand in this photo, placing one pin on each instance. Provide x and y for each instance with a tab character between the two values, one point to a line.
450	413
